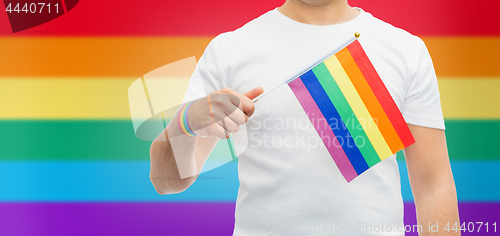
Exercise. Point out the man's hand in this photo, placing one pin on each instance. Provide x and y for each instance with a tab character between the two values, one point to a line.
177	159
221	112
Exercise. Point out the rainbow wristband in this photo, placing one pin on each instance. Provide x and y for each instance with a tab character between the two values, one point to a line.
183	120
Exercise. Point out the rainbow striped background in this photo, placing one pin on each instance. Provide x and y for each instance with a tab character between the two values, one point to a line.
70	163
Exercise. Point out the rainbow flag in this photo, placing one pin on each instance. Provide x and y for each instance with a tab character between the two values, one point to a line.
352	111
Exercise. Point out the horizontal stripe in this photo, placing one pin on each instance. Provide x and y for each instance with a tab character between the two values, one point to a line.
470	98
370	100
71	140
464	56
82	219
358	107
156	17
440	20
481	135
200	18
346	113
93	98
323	128
331	111
115	140
92	56
381	92
81	140
124	219
101	98
135	56
106	181
129	181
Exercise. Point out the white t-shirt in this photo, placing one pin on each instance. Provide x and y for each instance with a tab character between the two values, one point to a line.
289	183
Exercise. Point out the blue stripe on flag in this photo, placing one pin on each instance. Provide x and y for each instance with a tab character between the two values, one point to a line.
330	113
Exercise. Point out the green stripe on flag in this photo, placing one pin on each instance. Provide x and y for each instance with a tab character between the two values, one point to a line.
339	101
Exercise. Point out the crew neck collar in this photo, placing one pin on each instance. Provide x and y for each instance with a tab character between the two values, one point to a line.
319	28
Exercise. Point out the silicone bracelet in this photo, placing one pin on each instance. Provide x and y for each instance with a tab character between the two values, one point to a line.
182	121
186	123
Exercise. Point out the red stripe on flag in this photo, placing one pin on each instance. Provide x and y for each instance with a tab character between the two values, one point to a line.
370	100
381	92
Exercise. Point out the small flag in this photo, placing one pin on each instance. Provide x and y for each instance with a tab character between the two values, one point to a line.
352	110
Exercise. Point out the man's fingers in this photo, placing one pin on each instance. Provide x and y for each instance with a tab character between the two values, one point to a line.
242	101
246	100
254	93
223	105
217	131
229	126
238	117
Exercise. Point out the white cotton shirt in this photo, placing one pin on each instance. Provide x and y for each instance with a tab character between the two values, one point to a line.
289	184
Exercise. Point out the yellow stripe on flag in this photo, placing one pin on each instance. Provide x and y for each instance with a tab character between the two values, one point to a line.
358	107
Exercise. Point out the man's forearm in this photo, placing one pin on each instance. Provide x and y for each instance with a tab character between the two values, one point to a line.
437	210
173	163
431	180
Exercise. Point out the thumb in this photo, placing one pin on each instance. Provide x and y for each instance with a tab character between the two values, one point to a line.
254	93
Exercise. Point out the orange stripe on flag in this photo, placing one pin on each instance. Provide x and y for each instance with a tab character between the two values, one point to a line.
370	100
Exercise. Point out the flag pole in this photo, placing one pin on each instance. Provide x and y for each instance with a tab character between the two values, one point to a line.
356	36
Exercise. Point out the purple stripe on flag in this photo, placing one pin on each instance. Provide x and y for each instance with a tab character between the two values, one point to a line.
325	132
84	219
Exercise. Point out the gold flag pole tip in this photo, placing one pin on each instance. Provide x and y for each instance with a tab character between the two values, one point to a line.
356	34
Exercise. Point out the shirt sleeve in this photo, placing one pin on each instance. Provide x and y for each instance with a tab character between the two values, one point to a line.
209	74
422	104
